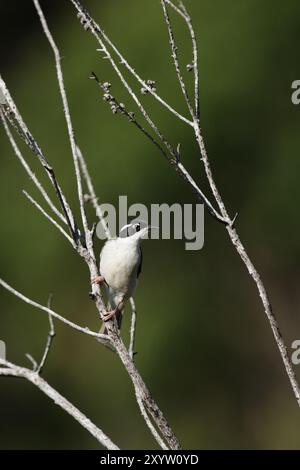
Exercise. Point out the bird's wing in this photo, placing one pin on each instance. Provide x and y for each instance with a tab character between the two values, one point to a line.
139	270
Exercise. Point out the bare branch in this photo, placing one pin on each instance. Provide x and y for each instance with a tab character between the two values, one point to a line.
66	113
89	23
33	361
184	14
116	106
11	112
88	255
149	423
132	329
92	194
175	157
95	29
235	240
29	171
175	59
141	389
138	383
50	339
268	310
12	370
36	204
222	215
76	327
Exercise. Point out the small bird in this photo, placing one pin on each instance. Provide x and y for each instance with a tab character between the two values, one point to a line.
120	266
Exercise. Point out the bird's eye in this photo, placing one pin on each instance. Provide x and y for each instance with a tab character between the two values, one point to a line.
137	227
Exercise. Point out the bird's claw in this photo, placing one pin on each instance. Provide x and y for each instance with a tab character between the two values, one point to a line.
98	280
109	315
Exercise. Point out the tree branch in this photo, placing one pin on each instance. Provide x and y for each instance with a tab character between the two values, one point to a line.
89	23
132	329
173	158
149	423
28	170
37	205
76	327
11	112
92	194
175	59
184	14
87	253
50	339
11	370
235	240
67	115
222	214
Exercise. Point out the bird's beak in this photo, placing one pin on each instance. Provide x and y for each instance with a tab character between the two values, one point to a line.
144	233
152	227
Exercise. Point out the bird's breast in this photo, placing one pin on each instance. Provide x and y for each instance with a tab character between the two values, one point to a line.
118	264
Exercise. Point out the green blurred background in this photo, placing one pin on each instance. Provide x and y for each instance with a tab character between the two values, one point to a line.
204	346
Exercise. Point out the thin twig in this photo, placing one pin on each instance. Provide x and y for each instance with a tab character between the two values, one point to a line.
12	114
95	30
9	369
268	310
175	59
175	157
132	329
67	114
89	23
76	327
29	171
37	205
116	106
184	14
235	240
33	361
92	194
49	341
141	389
149	423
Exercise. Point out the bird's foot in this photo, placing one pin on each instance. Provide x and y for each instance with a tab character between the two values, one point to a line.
98	280
110	314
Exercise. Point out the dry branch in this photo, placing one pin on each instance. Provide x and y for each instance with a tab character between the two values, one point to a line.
171	153
221	214
53	314
9	369
85	249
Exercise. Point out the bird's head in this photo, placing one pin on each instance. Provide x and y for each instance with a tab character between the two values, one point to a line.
136	230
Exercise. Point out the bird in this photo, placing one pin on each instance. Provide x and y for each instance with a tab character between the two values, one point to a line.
120	266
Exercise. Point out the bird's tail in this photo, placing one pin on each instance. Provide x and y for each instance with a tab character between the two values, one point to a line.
119	317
